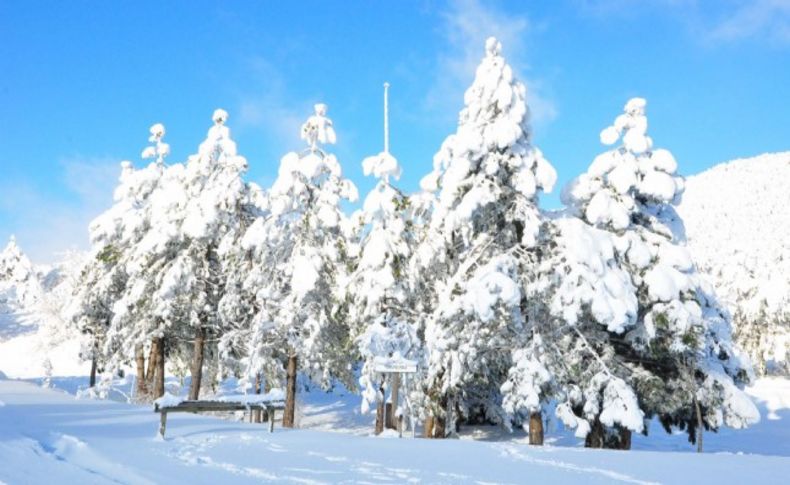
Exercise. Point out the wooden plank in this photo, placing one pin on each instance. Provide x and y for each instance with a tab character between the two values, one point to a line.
269	408
162	424
203	406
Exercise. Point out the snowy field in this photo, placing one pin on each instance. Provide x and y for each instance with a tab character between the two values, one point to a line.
500	310
46	433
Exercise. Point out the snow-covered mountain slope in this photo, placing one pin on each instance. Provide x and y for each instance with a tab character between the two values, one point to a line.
46	434
737	218
34	338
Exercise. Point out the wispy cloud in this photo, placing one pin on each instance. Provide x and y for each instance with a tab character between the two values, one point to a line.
466	26
48	224
712	22
268	107
767	19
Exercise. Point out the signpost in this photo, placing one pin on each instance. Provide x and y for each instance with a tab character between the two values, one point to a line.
396	367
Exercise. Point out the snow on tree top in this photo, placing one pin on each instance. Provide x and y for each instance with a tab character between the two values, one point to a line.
220	116
622	180
218	137
157	132
318	128
14	264
632	126
160	149
491	149
493	46
382	166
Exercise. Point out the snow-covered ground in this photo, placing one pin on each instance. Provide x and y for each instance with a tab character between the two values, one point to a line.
47	434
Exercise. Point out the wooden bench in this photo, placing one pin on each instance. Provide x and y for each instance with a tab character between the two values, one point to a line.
269	407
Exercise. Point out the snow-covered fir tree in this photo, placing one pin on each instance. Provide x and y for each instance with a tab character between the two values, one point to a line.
675	351
19	282
488	176
300	266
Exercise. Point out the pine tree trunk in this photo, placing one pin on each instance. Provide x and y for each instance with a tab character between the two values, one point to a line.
439	427
595	438
159	374
151	370
290	393
197	364
92	382
625	439
428	429
536	428
141	390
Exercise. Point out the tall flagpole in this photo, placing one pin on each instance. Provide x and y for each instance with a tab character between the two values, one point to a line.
386	119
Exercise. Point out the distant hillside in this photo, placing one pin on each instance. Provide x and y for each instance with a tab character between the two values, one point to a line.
737	218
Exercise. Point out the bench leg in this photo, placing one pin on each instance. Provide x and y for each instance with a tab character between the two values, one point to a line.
162	424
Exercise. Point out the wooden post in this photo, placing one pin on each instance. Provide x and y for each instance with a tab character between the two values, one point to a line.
380	408
536	428
290	392
270	413
197	364
700	426
162	423
392	419
258	411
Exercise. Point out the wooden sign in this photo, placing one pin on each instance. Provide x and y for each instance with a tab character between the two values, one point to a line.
391	365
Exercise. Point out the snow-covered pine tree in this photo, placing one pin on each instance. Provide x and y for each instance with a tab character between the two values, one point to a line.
579	295
488	176
19	283
379	290
676	354
105	282
200	213
301	265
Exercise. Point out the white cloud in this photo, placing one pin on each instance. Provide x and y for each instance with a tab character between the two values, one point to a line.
467	24
768	19
47	224
269	108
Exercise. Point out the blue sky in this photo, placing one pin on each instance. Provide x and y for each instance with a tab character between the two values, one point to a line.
81	82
